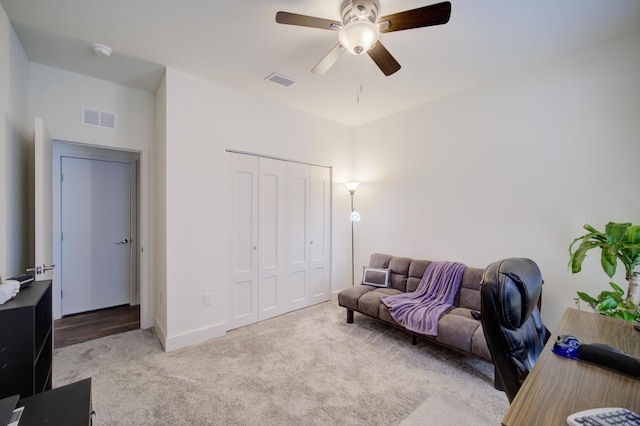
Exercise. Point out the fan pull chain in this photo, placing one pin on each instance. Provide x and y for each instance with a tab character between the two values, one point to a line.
359	85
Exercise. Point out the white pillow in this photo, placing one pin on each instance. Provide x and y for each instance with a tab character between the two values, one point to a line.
377	277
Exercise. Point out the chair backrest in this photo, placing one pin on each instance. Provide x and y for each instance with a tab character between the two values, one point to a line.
511	321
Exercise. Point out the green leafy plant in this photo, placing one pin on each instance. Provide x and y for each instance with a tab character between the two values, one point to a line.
619	242
611	303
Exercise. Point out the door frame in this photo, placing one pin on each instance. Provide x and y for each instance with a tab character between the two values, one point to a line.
90	152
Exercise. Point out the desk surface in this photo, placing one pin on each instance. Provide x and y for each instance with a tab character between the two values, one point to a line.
557	386
69	405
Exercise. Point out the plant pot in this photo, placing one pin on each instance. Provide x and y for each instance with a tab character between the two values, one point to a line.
633	293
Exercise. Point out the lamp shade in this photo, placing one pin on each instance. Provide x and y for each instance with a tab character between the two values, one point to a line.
355	216
359	36
352	186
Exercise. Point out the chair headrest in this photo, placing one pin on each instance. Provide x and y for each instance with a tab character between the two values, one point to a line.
516	284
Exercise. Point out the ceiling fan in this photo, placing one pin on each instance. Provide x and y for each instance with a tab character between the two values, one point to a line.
360	30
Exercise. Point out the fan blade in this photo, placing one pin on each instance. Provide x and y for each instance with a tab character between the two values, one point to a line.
435	14
381	56
307	21
329	59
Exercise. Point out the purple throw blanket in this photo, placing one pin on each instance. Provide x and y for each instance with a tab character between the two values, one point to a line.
420	311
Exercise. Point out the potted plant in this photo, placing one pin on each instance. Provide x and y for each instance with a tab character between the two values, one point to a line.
619	242
612	303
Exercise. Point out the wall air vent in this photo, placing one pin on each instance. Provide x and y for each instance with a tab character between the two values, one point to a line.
280	79
96	118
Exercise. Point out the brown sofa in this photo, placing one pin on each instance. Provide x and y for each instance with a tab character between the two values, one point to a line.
459	328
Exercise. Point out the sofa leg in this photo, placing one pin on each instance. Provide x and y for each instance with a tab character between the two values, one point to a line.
414	339
349	316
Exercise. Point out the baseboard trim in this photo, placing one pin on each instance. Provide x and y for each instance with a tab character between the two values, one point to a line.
193	337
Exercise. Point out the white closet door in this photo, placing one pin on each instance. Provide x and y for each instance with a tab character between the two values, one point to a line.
279	230
297	289
271	246
242	239
320	234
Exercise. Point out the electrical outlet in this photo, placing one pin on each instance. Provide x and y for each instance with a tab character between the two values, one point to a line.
208	298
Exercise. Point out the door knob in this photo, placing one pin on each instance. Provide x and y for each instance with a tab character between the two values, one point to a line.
123	241
41	269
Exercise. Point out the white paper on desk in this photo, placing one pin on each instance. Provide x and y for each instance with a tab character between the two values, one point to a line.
8	290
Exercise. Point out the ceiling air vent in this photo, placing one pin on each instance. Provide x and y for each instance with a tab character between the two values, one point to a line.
280	79
97	118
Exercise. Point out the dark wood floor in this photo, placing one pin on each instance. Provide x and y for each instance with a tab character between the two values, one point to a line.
79	328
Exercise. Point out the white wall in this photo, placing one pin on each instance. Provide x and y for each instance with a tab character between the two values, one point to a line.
158	215
513	169
203	119
14	154
56	96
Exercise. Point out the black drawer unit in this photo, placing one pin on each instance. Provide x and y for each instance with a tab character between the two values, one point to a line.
26	341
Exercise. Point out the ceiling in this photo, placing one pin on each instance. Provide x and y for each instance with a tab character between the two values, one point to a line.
238	43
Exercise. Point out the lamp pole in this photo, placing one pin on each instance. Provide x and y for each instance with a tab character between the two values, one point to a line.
353	270
355	217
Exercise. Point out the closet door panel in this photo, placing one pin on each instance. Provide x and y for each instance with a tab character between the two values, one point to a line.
242	238
272	232
297	292
320	234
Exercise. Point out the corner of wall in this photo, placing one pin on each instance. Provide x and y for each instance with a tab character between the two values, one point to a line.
14	152
160	334
198	336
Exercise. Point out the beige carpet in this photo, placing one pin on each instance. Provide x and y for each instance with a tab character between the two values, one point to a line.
304	368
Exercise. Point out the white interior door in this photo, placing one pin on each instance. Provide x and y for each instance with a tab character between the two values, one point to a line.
95	199
43	149
298	241
271	246
320	234
242	238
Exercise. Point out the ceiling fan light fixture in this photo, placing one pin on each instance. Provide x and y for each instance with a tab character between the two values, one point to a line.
359	36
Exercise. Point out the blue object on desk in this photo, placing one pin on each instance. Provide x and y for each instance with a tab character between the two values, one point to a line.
598	354
566	346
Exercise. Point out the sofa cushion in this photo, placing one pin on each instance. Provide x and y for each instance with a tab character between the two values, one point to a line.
369	303
350	295
399	267
385	315
456	329
379	260
416	271
479	345
469	293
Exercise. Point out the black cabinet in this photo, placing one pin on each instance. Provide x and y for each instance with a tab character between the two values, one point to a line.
26	345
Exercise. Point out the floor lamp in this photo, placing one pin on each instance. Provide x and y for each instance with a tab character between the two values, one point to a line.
355	217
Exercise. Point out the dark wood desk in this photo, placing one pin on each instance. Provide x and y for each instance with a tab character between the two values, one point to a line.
557	386
69	405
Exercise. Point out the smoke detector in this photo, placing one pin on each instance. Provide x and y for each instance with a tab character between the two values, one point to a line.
101	49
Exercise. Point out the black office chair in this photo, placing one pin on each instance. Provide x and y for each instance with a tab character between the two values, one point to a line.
511	322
